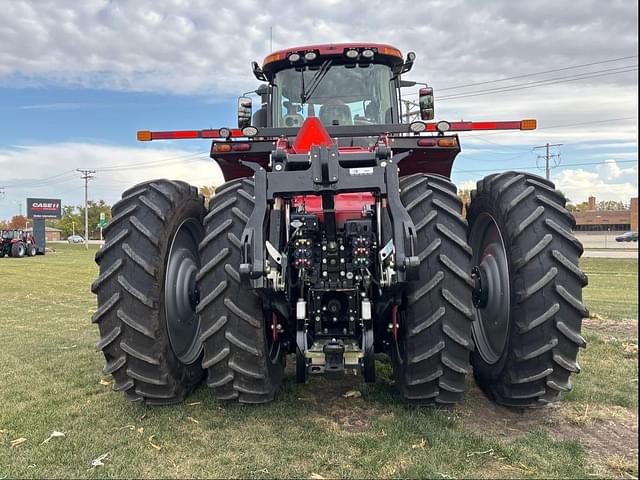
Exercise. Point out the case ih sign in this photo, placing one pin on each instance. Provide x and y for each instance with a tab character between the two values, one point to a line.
43	208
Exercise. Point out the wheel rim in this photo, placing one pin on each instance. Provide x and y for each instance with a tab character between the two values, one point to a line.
491	295
181	294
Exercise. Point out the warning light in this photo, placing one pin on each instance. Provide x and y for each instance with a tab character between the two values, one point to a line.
143	135
528	124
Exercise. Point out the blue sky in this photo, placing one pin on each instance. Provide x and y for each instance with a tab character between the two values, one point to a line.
78	79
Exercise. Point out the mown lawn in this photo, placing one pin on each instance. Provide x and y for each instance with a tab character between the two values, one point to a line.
50	381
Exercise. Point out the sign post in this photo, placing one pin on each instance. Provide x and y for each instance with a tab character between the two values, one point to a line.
39	209
102	223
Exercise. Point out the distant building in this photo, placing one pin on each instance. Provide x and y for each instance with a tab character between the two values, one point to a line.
593	220
53	234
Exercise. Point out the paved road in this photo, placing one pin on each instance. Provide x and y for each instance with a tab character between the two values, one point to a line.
605	242
610	253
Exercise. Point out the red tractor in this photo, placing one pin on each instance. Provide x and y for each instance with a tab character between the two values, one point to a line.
337	235
17	243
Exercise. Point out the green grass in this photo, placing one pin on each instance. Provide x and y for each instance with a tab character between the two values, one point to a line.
50	380
613	287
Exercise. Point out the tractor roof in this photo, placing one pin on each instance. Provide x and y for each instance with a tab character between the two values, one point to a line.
386	54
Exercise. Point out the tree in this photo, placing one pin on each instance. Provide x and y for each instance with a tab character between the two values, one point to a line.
70	220
578	207
18	222
73	218
610	205
95	209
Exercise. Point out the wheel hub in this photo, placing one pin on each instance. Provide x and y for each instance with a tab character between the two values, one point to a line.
181	295
491	293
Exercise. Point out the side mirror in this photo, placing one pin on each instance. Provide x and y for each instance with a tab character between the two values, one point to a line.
244	112
426	103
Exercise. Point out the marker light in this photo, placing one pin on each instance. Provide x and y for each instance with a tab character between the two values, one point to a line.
443	126
391	51
144	136
447	142
274	57
310	56
249	131
294	57
427	142
241	147
528	124
221	147
352	53
417	127
368	53
224	132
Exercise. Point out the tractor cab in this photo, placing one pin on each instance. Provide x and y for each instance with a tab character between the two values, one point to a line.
341	84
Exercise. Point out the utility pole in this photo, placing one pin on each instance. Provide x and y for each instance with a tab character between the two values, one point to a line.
548	156
411	114
86	175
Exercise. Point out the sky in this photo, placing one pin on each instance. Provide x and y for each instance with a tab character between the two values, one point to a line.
77	79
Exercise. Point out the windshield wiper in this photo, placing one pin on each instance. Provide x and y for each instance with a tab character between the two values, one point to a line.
315	81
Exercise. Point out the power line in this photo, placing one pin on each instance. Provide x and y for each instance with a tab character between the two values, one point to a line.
86	175
540	83
488	170
533	74
131	166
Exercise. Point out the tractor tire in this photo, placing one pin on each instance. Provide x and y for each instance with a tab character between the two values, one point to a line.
528	319
146	292
430	354
244	363
18	250
31	250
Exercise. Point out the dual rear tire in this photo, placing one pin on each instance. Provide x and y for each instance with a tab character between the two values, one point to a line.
171	309
507	305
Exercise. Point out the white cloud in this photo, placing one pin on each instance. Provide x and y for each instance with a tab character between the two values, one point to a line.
199	46
609	182
54	168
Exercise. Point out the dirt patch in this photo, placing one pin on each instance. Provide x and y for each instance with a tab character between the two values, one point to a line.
337	404
618	329
610	433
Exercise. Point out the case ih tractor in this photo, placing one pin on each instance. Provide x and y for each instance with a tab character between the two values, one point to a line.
337	235
16	243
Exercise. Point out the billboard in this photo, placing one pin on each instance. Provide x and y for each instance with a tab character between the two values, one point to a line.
44	208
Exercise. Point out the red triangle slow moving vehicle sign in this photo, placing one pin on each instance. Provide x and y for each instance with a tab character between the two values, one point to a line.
312	132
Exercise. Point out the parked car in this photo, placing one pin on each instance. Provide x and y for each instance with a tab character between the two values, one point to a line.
627	237
75	239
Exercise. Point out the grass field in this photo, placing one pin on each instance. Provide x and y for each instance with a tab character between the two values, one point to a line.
50	381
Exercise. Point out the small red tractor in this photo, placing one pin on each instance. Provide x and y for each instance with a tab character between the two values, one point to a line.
17	243
338	235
